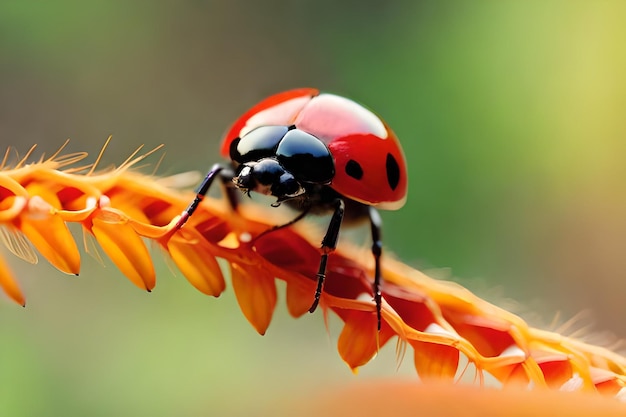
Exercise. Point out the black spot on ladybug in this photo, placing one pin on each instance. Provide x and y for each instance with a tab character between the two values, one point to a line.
393	171
354	170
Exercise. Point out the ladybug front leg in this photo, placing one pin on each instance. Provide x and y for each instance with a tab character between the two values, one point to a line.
216	171
377	249
329	243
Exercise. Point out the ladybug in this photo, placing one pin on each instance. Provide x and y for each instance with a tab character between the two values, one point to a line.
319	153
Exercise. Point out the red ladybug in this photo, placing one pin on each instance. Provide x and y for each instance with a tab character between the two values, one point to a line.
319	153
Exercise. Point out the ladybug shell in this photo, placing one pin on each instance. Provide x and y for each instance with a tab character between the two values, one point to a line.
370	166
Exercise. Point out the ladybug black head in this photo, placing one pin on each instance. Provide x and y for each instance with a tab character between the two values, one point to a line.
267	177
278	160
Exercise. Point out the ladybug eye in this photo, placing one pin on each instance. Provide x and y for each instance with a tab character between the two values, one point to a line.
234	153
257	144
287	187
306	157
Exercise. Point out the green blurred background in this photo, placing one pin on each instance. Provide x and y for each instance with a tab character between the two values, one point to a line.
512	115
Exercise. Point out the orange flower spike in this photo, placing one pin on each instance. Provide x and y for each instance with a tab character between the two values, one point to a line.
124	247
9	285
47	231
439	320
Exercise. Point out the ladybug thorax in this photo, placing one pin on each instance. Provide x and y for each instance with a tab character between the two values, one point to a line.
280	161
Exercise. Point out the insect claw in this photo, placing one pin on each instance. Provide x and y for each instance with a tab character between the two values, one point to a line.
314	305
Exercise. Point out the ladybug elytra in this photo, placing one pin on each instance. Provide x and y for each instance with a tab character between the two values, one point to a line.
319	153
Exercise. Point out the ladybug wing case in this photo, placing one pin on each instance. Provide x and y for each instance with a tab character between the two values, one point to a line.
370	166
370	170
278	110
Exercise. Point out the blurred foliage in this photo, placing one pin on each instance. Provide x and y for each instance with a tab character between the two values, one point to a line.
512	118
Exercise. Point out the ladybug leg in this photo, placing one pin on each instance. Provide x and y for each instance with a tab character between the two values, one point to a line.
296	219
377	249
329	243
216	171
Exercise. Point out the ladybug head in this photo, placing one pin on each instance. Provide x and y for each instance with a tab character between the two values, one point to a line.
268	177
280	161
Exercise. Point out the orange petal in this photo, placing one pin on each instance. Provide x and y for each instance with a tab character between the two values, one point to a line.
300	295
606	382
129	206
127	251
13	198
358	341
513	375
9	284
256	294
51	236
435	361
153	232
555	367
491	336
198	264
82	214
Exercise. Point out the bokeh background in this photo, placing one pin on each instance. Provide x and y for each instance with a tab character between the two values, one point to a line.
512	115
